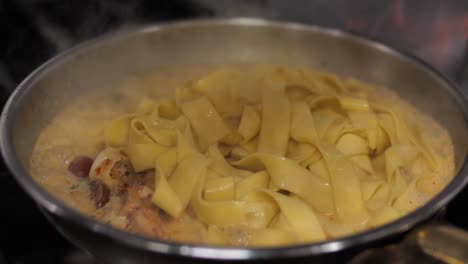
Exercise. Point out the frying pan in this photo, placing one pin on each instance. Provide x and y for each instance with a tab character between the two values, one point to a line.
111	59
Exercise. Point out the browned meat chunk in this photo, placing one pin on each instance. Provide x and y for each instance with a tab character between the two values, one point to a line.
99	193
80	166
144	218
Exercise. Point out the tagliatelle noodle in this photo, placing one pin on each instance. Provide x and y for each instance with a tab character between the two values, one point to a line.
286	155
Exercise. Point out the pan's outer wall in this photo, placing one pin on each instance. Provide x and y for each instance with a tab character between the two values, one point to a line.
101	63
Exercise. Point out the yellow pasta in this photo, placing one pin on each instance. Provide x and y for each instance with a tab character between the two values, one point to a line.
137	133
274	132
249	124
272	237
300	217
369	188
219	188
164	196
384	215
185	177
205	120
256	214
219	91
346	188
292	177
222	167
167	161
320	168
274	156
185	144
143	156
166	109
257	181
216	236
116	133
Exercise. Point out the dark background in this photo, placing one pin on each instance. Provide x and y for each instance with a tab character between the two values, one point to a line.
34	30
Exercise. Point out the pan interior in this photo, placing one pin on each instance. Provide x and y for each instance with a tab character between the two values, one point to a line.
111	62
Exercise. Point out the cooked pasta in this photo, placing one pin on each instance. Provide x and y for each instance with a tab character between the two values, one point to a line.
268	156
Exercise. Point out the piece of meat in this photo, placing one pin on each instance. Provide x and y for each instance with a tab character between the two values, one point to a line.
110	167
80	166
99	193
132	201
123	173
146	178
191	212
122	170
144	218
146	221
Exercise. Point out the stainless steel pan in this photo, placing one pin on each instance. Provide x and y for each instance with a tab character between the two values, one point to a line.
111	59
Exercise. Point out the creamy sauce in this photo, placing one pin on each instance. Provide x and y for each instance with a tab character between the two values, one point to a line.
78	131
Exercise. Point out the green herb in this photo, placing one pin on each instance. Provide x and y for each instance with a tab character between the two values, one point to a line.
74	186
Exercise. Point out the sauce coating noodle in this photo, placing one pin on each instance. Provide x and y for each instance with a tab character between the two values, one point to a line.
265	156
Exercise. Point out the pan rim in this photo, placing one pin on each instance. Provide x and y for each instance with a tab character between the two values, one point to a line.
56	207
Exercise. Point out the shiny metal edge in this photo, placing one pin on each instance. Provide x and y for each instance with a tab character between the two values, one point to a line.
53	205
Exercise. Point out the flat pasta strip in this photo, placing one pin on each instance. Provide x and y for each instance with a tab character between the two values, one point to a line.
205	120
352	144
383	216
186	175
300	216
217	87
320	168
164	196
250	123
346	188
271	156
323	119
407	137
274	132
270	237
167	161
219	188
335	228
289	176
299	152
160	130
302	124
185	145
222	167
344	181
143	156
137	133
116	132
255	182
255	214
367	122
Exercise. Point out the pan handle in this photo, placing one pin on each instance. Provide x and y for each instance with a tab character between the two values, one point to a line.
444	242
433	243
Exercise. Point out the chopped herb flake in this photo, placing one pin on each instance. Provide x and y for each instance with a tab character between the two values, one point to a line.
74	186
